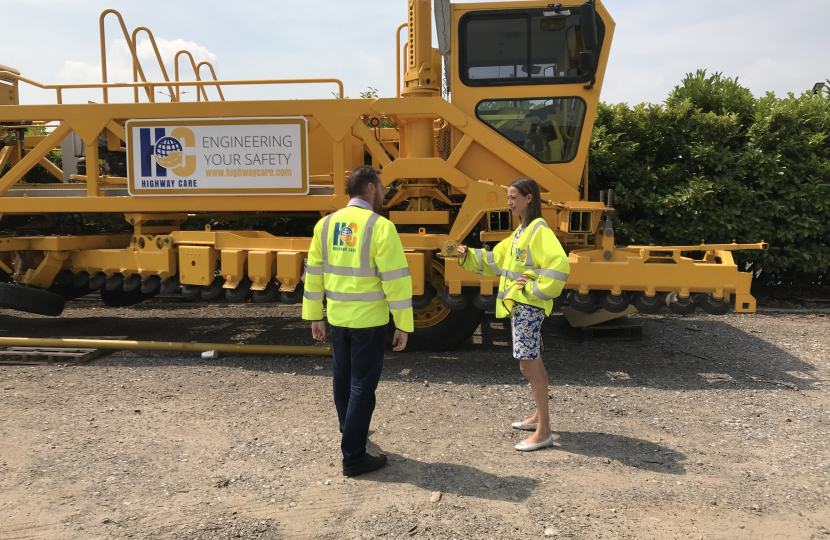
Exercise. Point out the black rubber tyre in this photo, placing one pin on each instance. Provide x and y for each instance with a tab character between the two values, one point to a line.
585	303
454	302
63	279
170	285
294	297
649	306
712	306
97	281
423	300
458	326
150	285
559	301
241	292
191	292
680	306
613	304
122	298
114	282
132	283
214	290
31	300
271	293
80	280
484	303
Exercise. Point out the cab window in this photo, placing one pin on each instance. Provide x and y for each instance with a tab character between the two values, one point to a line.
518	47
546	128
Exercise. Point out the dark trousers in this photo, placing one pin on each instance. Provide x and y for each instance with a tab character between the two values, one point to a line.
358	361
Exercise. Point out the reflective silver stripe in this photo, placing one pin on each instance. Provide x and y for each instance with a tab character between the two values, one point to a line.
395	274
480	256
366	243
553	274
350	271
501	295
325	239
491	262
400	304
529	259
512	275
355	297
315	296
538	293
314	270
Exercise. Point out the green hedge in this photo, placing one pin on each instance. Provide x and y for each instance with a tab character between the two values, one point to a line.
714	163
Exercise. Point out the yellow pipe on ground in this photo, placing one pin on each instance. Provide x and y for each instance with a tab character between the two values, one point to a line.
164	346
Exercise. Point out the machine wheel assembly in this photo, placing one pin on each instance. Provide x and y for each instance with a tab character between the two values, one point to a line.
454	301
122	298
613	304
191	292
423	300
484	303
293	297
241	292
712	305
651	305
214	290
150	284
132	283
271	293
31	300
680	306
170	285
98	280
585	303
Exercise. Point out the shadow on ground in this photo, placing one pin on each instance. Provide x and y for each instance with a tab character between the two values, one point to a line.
631	452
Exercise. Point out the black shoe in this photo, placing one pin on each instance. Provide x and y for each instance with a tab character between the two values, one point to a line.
371	463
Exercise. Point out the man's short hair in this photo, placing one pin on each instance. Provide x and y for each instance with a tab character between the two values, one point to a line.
360	178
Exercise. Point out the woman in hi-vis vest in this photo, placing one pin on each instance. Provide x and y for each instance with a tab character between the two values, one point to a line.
533	269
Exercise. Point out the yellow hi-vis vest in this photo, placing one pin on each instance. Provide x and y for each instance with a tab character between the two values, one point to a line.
356	261
538	254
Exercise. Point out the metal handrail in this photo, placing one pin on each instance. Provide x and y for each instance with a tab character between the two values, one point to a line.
195	72
213	74
158	57
130	44
398	54
151	85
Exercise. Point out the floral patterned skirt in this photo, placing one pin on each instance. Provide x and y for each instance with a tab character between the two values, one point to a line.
527	331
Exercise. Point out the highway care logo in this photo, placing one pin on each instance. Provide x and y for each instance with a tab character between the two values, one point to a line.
160	153
345	237
521	255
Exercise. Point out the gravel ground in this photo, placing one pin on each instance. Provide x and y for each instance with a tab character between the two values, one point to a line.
707	428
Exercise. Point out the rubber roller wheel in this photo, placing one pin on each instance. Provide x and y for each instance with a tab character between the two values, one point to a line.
114	282
293	297
31	300
214	290
484	303
454	302
614	304
170	285
150	284
582	302
271	293
650	305
80	280
98	280
191	292
680	306
241	292
421	301
712	305
558	302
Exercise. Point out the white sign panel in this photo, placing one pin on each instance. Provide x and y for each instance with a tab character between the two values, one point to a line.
239	156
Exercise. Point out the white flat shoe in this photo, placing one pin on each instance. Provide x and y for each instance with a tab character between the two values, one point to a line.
524	447
525	427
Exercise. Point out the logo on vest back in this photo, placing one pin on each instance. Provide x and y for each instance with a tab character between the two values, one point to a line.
521	255
345	237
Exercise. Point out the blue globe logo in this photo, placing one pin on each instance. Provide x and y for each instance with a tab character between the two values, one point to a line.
168	152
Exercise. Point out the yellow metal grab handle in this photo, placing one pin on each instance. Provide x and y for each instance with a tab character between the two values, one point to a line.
165	346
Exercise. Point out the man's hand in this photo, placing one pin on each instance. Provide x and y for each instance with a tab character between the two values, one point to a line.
318	330
399	340
462	252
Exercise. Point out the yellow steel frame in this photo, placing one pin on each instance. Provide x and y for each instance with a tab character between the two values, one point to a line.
479	166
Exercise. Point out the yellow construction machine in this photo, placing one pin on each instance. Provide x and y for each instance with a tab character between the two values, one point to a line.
511	91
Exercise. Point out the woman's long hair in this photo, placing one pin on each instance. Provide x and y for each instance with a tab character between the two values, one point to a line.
528	186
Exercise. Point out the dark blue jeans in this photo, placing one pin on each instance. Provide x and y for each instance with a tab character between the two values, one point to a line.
358	361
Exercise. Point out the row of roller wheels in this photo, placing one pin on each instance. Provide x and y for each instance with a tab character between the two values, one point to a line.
118	291
594	300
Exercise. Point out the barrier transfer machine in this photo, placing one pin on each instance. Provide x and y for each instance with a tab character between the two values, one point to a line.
511	91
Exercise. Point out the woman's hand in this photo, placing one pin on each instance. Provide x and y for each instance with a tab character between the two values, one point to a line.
462	252
524	278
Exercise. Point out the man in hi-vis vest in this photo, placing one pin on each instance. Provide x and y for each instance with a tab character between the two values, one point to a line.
357	263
